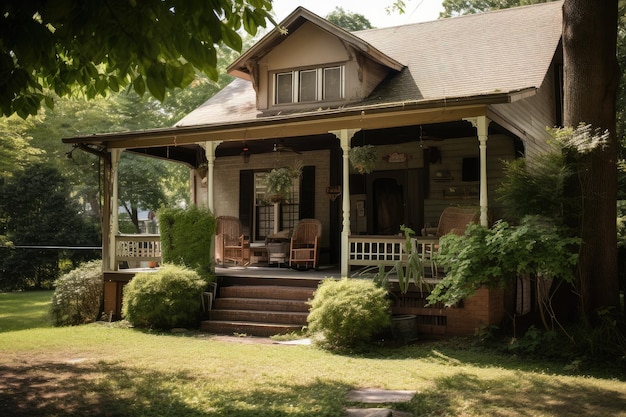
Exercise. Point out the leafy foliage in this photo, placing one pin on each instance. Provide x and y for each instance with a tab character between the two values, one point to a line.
77	295
536	187
493	257
348	21
39	211
167	298
71	47
363	158
187	238
348	312
463	7
279	182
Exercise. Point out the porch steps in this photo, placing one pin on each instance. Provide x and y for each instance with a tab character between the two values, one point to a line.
258	310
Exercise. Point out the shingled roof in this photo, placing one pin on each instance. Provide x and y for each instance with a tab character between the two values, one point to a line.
499	52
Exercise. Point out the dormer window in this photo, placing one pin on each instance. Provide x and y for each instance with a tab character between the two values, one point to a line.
309	85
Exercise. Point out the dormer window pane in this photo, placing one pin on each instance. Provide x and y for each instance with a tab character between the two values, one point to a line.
308	85
332	83
284	88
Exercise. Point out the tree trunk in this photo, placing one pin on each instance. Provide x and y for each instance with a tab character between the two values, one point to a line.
591	81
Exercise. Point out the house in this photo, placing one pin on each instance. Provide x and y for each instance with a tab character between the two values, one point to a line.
443	102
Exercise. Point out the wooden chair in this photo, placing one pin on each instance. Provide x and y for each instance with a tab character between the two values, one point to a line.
304	248
230	243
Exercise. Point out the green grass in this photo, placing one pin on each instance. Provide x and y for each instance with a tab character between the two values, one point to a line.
101	369
24	310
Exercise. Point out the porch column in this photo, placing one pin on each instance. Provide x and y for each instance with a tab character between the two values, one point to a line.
114	217
209	149
345	137
481	123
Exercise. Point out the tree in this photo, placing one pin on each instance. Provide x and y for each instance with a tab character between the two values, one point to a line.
71	47
462	7
348	21
39	212
591	82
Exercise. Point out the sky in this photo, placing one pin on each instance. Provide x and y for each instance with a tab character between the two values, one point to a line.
373	10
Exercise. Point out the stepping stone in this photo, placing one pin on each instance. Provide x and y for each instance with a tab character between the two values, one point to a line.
380	396
375	412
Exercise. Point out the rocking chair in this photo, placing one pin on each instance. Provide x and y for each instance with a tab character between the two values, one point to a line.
230	243
304	248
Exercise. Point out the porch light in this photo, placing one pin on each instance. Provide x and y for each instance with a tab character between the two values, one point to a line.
333	192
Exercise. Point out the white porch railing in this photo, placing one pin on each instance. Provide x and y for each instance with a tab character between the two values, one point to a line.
136	248
377	250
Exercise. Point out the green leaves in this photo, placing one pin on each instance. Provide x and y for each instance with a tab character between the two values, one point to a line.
493	257
74	47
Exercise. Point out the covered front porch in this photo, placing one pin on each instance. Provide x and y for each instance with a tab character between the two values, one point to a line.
262	299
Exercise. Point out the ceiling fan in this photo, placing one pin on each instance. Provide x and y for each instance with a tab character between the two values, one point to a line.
281	147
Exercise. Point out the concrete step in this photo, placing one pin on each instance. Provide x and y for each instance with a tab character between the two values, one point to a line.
275	292
255	316
249	328
263	304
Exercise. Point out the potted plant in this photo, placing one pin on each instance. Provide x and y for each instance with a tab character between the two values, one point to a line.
363	158
279	182
404	326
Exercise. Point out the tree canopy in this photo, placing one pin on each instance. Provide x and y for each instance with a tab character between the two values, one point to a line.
347	20
73	47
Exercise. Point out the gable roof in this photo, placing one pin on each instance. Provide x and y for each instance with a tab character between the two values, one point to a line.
493	55
289	25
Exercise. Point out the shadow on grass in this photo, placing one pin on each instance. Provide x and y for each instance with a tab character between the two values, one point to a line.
511	396
105	389
456	353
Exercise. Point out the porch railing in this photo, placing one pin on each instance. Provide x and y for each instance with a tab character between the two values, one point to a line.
136	248
377	250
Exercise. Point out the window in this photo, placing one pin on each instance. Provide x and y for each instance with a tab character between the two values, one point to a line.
264	211
310	85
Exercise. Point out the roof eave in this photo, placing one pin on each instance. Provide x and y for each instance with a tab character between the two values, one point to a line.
362	111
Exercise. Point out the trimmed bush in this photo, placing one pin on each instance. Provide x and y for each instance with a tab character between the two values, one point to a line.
167	298
187	238
77	295
348	312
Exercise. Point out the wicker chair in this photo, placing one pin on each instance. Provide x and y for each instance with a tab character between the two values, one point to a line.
230	243
304	249
452	220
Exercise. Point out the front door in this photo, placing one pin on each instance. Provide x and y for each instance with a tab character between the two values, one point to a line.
394	198
388	202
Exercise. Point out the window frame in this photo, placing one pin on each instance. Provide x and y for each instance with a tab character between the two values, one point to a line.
296	85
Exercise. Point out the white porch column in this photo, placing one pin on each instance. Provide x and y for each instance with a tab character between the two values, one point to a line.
345	137
481	123
114	217
209	149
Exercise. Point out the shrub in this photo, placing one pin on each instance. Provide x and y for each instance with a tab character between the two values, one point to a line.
169	297
348	312
77	296
187	238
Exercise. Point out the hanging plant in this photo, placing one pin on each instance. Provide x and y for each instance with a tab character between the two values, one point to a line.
363	158
202	170
279	182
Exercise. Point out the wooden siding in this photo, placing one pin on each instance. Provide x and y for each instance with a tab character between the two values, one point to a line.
532	116
499	148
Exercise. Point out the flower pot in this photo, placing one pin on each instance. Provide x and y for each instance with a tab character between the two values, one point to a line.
404	327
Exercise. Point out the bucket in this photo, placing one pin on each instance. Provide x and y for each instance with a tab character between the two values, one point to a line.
404	327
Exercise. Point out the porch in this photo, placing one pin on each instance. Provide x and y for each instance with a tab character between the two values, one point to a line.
264	300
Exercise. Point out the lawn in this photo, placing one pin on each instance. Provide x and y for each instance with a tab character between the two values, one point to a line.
109	370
